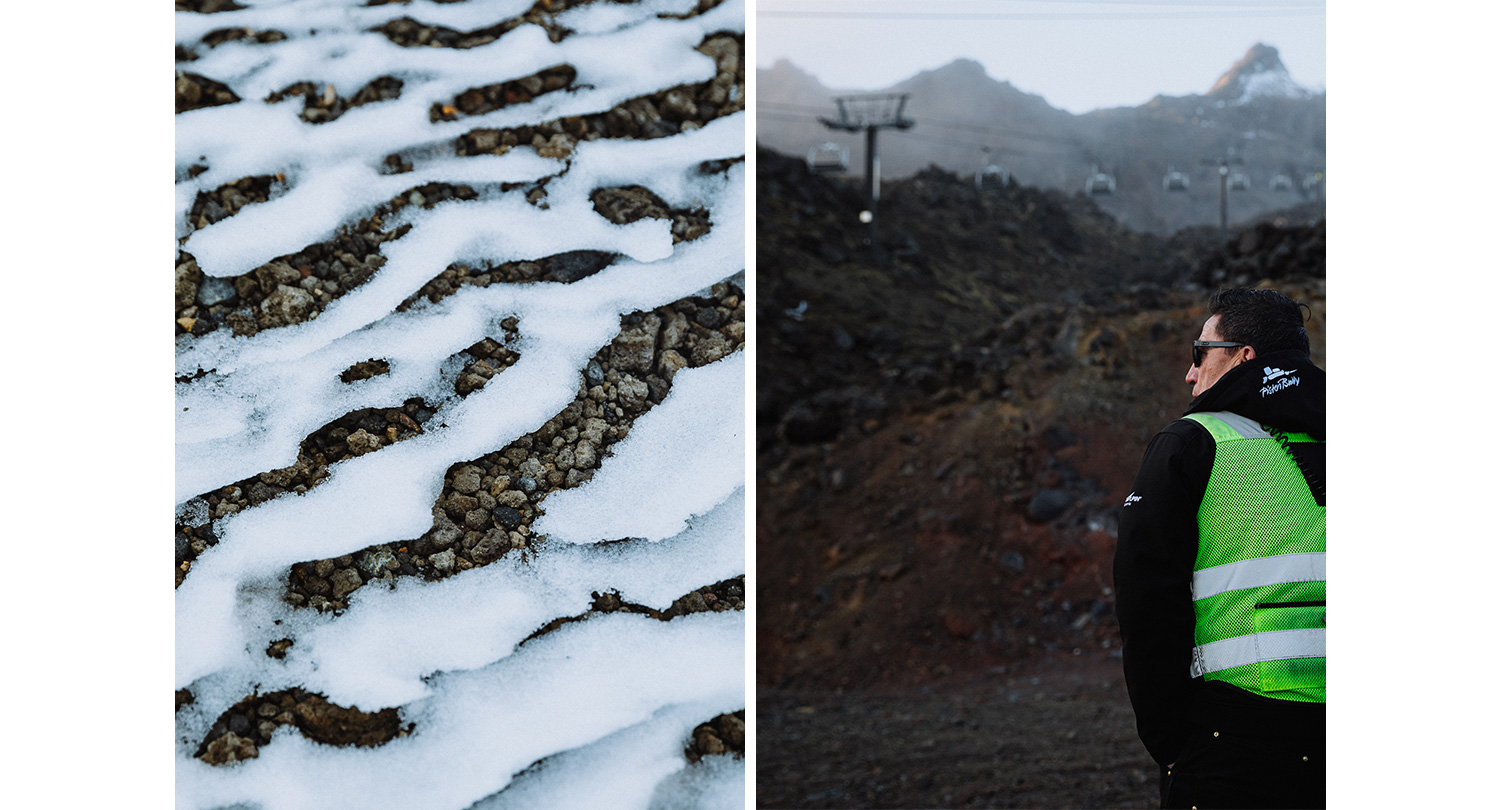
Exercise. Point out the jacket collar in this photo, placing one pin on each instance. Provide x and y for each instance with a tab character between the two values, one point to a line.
1281	389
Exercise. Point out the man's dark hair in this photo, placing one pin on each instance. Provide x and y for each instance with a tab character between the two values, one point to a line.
1265	319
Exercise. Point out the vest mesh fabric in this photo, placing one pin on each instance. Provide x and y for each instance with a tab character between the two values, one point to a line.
1258	505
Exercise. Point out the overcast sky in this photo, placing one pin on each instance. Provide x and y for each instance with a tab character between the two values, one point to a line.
1078	54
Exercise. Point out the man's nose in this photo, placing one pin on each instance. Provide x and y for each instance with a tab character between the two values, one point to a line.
1192	375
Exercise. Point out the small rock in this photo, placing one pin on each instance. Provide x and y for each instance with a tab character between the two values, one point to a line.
593	431
230	748
467	479
633	393
670	363
513	498
674	331
490	547
1048	505
215	291
507	516
345	581
442	561
373	562
361	442
532	468
634	348
188	277
287	305
711	349
446	536
476	518
709	317
594	373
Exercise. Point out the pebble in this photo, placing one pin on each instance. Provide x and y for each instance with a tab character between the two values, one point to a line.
709	317
508	517
633	393
345	581
512	498
287	304
442	561
489	547
467	479
230	748
593	372
1048	505
670	363
361	442
373	562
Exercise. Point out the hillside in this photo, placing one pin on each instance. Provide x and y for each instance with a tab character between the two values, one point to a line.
948	421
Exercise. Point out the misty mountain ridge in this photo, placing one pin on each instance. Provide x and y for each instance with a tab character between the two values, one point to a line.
1253	115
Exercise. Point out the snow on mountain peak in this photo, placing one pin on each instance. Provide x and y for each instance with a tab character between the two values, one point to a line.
1259	73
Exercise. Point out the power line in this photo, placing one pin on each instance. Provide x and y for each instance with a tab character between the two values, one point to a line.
1184	3
999	132
1198	13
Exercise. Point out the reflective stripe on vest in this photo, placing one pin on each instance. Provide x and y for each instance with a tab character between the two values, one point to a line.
1258	588
1302	567
1274	645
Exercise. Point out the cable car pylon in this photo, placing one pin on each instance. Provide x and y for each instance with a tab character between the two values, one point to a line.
871	113
1222	163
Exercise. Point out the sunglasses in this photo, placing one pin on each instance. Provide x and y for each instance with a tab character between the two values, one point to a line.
1200	345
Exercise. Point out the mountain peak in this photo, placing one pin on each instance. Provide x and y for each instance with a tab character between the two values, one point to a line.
1258	73
963	66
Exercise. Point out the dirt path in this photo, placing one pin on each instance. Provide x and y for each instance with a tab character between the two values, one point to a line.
1050	733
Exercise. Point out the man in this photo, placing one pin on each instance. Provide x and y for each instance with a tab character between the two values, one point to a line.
1219	569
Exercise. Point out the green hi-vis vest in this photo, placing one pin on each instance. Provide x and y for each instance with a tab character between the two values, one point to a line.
1258	584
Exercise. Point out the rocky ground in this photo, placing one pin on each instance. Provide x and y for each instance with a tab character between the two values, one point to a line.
948	419
489	503
1035	734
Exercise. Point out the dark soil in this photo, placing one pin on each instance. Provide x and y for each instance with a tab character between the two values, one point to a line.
321	104
244	727
1042	734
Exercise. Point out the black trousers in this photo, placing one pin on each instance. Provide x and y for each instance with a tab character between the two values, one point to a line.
1220	768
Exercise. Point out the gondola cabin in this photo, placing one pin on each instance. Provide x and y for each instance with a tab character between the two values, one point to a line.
1099	183
992	178
829	158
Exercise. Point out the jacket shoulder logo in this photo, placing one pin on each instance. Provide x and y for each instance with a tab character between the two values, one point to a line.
1273	373
1131	498
1277	380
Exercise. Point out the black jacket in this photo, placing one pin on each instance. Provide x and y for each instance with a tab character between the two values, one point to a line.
1158	545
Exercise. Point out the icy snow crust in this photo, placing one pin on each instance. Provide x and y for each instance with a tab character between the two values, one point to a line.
608	703
1274	83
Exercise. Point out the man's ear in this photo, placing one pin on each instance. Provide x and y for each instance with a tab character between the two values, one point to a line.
1249	353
